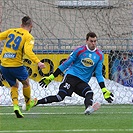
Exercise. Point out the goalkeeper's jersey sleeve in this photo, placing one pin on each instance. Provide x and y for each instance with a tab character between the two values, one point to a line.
82	62
18	42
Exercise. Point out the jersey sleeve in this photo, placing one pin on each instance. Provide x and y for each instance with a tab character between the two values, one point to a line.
72	57
3	35
28	49
98	70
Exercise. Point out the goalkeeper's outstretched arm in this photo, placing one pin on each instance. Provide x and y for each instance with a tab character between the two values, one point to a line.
46	80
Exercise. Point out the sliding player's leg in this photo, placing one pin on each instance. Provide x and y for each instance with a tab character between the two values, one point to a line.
53	98
63	92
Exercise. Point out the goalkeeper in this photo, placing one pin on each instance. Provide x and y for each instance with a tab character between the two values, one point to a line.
80	65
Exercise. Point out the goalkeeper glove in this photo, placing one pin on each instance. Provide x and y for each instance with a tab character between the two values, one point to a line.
107	95
46	80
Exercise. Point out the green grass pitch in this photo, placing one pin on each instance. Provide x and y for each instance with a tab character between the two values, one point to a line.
68	119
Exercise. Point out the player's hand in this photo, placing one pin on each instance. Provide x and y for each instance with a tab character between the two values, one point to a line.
41	65
46	80
107	95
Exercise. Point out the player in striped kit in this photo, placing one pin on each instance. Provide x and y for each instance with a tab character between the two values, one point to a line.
80	66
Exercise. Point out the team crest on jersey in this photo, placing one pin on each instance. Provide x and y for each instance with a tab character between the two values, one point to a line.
87	62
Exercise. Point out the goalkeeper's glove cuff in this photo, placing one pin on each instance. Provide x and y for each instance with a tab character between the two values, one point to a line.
51	77
104	90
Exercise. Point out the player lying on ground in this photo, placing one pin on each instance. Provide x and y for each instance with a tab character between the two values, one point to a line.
80	65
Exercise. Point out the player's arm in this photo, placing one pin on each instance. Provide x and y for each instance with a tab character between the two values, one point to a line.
98	71
46	80
63	66
106	93
28	50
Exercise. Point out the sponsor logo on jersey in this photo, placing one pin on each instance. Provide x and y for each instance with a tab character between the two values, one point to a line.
9	55
87	62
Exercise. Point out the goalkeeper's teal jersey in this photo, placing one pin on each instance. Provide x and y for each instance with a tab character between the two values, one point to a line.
82	62
18	41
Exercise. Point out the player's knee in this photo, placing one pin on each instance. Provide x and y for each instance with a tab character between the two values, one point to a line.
61	96
25	83
89	94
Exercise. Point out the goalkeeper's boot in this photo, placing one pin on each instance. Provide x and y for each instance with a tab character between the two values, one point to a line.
33	103
92	108
17	111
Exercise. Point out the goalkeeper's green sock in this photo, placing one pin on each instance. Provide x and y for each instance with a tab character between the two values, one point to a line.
17	111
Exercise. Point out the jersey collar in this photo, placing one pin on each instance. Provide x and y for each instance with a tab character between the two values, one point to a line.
91	50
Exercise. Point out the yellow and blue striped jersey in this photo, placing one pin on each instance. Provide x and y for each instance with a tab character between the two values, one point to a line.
18	42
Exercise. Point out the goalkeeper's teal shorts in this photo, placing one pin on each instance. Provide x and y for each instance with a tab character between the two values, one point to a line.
11	74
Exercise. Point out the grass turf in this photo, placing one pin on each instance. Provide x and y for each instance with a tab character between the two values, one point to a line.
61	119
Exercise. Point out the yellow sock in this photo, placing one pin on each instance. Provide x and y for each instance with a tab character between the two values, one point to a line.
27	93
14	95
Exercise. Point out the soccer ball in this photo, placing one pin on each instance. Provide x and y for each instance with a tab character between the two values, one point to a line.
24	107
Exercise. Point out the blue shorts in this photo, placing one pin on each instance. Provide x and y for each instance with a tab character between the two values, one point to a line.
11	74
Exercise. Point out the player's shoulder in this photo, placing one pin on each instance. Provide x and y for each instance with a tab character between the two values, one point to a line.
99	50
7	32
26	33
99	53
79	48
10	30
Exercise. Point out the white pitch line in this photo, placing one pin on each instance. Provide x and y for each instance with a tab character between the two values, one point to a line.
67	113
62	131
82	106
